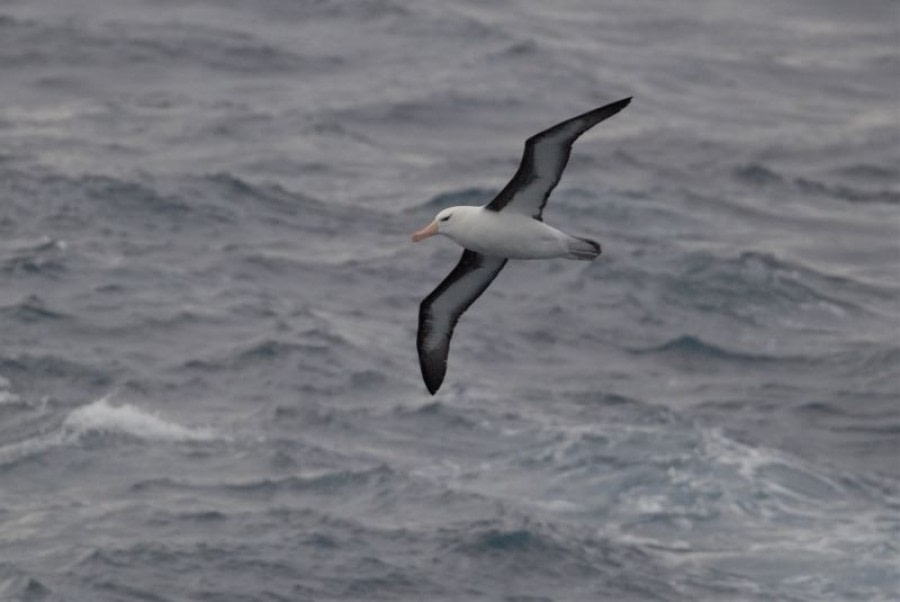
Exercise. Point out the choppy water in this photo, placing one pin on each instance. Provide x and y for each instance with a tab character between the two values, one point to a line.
208	382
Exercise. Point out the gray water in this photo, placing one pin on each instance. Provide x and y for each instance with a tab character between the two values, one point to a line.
209	388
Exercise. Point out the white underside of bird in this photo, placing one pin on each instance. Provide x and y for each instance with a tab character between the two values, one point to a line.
506	234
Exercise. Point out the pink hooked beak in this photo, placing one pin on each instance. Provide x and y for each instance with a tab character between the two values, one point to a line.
429	230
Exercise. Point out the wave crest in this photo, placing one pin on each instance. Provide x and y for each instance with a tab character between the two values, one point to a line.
103	417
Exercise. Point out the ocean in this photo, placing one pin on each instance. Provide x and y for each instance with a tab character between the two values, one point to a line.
209	388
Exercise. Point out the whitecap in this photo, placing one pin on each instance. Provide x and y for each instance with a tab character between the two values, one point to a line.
103	417
7	396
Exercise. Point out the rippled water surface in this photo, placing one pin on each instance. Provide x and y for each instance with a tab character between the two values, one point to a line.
209	388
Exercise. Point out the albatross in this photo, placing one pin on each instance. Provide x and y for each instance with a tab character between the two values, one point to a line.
511	226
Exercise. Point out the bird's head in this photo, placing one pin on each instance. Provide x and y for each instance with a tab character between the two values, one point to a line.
443	223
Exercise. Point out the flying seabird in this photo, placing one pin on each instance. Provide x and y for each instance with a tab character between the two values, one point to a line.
509	227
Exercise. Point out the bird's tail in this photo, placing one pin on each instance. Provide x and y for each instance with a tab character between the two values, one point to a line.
582	248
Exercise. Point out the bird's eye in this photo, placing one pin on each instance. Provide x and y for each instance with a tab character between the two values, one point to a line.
446	218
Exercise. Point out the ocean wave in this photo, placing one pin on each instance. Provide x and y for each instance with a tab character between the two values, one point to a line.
271	349
74	203
843	192
101	417
86	200
111	42
315	351
161	321
876	418
322	482
435	417
17	585
43	372
280	209
324	11
136	208
762	176
12	454
267	199
756	287
661	479
518	540
689	346
542	554
326	482
775	471
44	256
31	310
7	396
129	197
871	171
757	174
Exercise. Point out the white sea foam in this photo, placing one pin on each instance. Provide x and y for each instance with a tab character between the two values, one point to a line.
6	394
102	416
14	452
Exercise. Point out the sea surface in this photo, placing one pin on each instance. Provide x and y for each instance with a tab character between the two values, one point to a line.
209	388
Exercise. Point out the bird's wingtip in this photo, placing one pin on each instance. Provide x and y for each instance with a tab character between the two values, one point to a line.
433	384
432	373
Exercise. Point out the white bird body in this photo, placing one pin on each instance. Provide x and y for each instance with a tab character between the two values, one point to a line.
503	234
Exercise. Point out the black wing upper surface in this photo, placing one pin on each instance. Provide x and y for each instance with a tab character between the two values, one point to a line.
543	161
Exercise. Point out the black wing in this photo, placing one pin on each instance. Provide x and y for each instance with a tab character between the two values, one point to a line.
440	311
544	160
